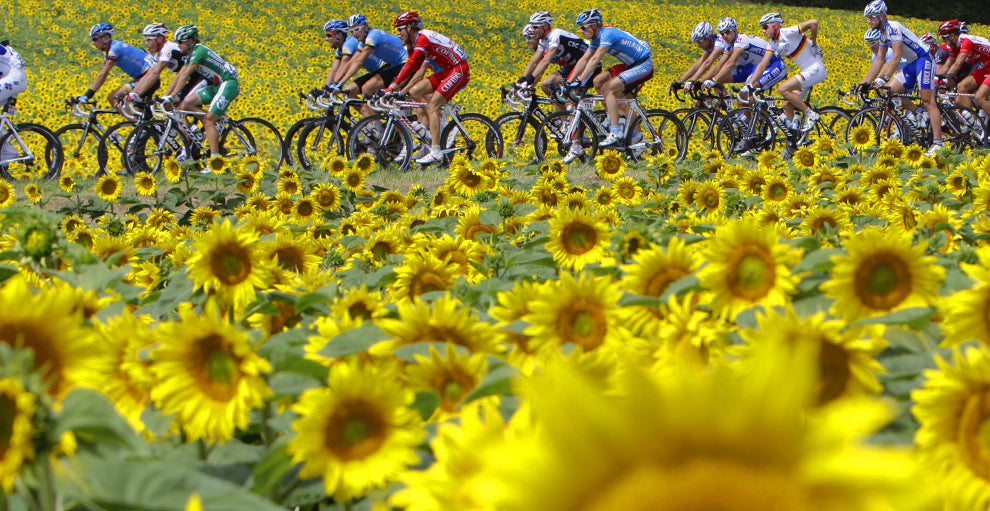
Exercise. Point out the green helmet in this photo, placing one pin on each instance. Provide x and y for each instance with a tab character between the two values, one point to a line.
186	32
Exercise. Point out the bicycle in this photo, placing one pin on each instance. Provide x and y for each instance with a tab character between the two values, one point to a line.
320	136
21	145
701	122
389	136
884	117
90	136
528	113
646	132
152	142
961	125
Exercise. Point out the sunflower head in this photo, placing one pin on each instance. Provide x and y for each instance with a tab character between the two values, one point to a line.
610	165
217	164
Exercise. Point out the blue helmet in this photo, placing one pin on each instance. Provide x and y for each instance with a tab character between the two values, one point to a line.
528	31
589	16
875	8
100	29
335	25
703	30
356	19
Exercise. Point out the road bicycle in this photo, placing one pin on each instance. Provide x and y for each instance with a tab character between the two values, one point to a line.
519	127
701	122
90	136
27	149
885	116
320	136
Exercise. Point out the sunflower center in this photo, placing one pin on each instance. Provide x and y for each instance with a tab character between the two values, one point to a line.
659	282
425	282
355	431
304	209
290	259
584	324
221	367
882	281
973	435
471	180
230	264
833	363
752	274
777	192
8	410
579	238
47	357
452	390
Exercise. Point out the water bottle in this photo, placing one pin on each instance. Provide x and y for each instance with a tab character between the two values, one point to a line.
196	133
421	130
921	119
967	120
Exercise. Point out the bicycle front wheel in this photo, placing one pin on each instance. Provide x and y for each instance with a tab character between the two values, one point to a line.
743	130
265	143
660	134
79	144
290	140
518	137
111	152
555	135
391	147
474	136
38	153
151	144
317	141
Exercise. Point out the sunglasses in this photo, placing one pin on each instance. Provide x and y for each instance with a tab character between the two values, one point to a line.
764	27
97	38
726	32
586	26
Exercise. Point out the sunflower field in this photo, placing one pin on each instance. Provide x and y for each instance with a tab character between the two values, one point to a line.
805	333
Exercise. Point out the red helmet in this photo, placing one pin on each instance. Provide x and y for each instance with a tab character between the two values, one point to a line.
407	18
928	38
949	27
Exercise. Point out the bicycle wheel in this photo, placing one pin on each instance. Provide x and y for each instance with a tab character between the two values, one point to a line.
391	148
662	133
743	130
317	141
518	137
291	138
834	123
700	128
110	152
267	142
961	128
476	137
79	145
38	153
553	136
884	125
153	142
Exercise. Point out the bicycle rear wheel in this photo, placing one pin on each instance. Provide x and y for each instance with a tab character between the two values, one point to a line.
476	137
663	133
744	131
38	154
110	152
290	140
267	142
392	147
317	141
79	145
553	136
518	137
834	123
153	142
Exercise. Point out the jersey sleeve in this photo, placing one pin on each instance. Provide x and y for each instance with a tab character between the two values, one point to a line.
114	52
965	45
349	46
371	39
415	59
199	54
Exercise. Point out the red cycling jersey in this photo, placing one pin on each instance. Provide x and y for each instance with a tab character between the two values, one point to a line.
976	48
438	48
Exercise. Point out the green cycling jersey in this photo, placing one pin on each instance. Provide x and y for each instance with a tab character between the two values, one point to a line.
212	66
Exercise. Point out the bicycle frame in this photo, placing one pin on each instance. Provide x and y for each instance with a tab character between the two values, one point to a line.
6	125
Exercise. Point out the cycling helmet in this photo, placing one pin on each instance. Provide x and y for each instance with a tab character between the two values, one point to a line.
872	35
155	29
727	25
875	8
927	38
528	31
100	29
589	16
186	32
356	19
949	27
541	18
407	18
701	31
335	26
963	29
771	17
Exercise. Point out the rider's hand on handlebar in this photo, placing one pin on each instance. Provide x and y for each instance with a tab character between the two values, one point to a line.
674	87
879	82
133	97
81	99
709	84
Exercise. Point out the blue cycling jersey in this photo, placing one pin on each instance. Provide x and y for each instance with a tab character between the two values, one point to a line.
621	45
348	48
389	50
130	60
913	48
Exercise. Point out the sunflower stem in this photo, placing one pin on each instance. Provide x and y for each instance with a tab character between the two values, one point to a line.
47	500
267	434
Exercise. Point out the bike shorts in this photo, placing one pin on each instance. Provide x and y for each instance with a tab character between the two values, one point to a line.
810	76
634	76
388	76
190	87
449	81
220	96
981	75
775	73
12	85
920	73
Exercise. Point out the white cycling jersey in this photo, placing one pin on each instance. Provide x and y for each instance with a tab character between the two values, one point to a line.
797	47
753	49
894	32
721	45
13	78
171	54
567	48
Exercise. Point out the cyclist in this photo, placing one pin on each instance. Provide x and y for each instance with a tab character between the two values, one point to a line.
381	54
13	81
742	56
965	51
453	76
343	45
221	83
135	62
801	49
167	55
552	46
712	47
622	80
920	69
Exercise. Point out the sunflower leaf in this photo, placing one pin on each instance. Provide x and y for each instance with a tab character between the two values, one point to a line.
818	261
92	417
914	317
498	381
426	402
353	341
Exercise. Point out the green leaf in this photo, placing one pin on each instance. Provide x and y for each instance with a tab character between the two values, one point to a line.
819	260
273	470
426	403
308	300
914	317
498	381
353	341
409	351
92	417
630	299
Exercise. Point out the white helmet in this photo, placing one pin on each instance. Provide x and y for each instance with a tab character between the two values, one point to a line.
875	8
155	29
726	25
871	35
701	31
528	31
771	17
541	18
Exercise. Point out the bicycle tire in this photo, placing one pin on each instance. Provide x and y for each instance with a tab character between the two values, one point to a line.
961	131
268	143
52	151
757	129
700	127
519	149
151	147
392	149
289	141
316	142
884	126
553	130
834	122
665	135
77	141
110	152
479	133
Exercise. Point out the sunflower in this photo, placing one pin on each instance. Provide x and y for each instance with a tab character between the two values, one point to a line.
203	215
816	218
172	170
804	158
451	375
709	197
747	267
827	176
326	196
545	194
862	138
226	260
217	164
776	189
127	377
108	187
72	223
465	181
422	273
913	155
651	273
145	184
7	194
208	375
247	181
577	238
892	147
610	165
32	192
445	320
16	431
353	179
882	272
470	224
283	204
305	210
357	433
661	169
289	185
627	191
951	406
825	147
291	253
583	311
755	180
605	197
360	303
966	310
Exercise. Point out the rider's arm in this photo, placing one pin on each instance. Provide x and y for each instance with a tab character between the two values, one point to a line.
724	73
413	65
339	67
811	27
542	65
533	63
590	65
890	66
182	78
580	65
149	78
760	68
355	63
720	63
960	58
706	62
694	67
101	77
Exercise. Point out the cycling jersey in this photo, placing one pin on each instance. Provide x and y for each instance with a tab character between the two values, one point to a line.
942	54
438	48
566	47
348	48
976	48
388	49
11	62
913	48
132	61
753	49
171	55
721	45
797	47
212	67
622	45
